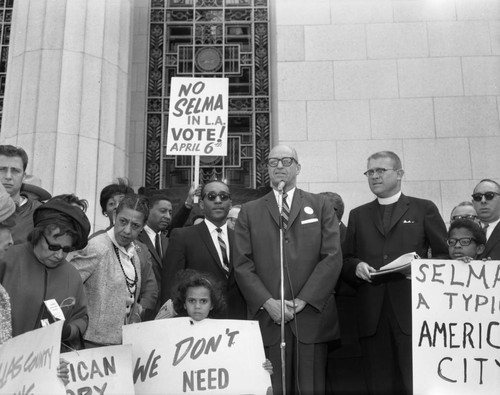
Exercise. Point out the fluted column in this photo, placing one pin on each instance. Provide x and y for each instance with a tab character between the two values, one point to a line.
66	99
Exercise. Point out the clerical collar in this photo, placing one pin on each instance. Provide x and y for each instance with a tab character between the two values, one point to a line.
389	200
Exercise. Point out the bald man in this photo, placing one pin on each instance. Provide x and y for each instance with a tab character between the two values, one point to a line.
312	260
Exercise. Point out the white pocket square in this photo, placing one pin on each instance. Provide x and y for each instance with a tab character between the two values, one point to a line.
308	221
408	221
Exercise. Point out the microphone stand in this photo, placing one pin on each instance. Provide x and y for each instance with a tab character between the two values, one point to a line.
282	294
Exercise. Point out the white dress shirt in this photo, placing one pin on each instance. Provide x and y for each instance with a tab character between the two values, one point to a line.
151	234
212	228
289	196
491	227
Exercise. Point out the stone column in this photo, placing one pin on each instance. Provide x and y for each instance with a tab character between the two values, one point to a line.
66	100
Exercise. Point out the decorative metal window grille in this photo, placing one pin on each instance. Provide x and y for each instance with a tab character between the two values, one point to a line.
5	22
211	38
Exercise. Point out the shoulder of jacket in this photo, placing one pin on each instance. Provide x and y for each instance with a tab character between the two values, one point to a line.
416	200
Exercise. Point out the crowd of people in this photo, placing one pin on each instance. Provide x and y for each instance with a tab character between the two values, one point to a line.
234	262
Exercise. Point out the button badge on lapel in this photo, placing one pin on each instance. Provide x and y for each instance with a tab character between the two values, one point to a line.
309	211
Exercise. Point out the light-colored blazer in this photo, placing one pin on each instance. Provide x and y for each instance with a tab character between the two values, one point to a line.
104	284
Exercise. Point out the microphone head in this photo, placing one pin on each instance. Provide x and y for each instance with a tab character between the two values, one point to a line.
281	186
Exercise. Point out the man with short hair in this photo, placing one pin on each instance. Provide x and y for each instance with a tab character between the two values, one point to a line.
206	247
13	163
159	219
312	262
464	210
377	233
486	201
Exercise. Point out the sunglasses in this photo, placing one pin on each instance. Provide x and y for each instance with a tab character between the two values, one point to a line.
224	196
487	195
464	241
57	247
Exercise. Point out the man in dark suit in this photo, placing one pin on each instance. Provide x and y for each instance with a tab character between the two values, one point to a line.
344	357
159	219
312	263
338	206
378	233
199	247
486	201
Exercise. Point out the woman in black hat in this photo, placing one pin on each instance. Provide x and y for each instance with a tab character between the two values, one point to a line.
37	271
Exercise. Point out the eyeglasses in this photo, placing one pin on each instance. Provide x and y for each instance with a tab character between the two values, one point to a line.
469	217
487	195
379	170
224	196
57	247
464	241
286	162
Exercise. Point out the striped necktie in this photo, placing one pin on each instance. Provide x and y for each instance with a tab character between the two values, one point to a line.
285	213
223	249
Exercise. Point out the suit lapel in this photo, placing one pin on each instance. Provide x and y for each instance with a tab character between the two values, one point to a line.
146	240
492	241
272	207
296	206
230	237
401	208
164	244
209	243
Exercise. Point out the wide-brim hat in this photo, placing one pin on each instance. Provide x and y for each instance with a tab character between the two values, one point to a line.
57	210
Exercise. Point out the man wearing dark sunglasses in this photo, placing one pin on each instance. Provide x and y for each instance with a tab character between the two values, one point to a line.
486	201
206	247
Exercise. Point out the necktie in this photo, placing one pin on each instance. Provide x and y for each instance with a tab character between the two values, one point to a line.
223	249
485	230
158	245
285	212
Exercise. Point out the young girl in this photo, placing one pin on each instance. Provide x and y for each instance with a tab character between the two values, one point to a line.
199	296
466	240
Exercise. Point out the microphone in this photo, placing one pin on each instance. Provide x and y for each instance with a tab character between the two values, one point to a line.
281	186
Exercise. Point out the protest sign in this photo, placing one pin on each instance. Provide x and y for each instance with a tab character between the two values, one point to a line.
103	370
197	120
28	362
182	356
456	328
